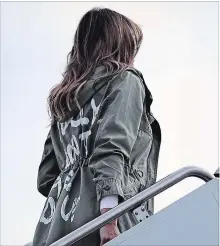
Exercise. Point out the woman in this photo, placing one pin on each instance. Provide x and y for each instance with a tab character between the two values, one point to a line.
103	143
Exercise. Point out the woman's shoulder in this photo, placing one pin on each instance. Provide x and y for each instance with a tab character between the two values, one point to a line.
133	74
136	78
130	77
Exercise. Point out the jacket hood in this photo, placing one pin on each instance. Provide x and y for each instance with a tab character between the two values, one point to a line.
99	79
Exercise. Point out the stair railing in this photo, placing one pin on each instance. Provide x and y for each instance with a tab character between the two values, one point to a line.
135	201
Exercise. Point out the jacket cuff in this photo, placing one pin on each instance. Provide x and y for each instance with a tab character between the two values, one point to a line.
107	187
109	201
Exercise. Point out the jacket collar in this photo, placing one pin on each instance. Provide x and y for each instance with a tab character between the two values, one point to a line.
149	97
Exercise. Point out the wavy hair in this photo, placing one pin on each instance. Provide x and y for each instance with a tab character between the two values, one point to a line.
103	38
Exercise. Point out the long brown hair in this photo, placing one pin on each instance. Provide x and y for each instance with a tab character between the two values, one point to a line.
103	37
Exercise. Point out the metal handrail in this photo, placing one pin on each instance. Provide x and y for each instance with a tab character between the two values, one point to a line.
160	186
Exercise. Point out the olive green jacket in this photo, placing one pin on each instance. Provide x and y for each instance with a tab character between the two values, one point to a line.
110	146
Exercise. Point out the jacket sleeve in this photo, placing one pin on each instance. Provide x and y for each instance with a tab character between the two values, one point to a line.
118	124
48	170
